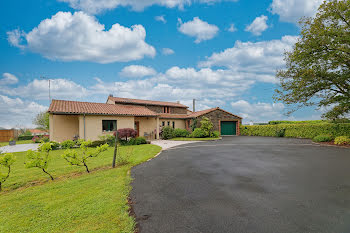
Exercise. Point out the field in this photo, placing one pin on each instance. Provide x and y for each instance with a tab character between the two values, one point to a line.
75	201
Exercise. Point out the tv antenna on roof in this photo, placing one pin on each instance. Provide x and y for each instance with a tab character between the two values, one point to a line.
49	80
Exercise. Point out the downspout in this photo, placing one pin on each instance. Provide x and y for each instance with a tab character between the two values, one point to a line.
84	128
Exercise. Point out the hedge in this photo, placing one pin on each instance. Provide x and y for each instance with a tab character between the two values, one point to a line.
298	122
297	130
25	137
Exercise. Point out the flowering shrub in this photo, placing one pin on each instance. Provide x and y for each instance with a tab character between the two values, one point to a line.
342	140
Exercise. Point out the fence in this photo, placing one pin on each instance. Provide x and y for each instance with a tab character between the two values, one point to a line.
7	134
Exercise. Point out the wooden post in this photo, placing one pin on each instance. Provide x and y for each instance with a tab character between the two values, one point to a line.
115	149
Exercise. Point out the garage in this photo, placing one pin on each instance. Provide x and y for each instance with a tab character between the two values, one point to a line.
228	128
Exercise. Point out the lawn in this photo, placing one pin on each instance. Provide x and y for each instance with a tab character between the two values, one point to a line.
194	139
18	142
75	201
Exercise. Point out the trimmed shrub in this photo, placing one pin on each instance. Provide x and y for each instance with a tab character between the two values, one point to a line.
198	133
280	133
167	133
140	141
25	137
297	122
322	138
342	140
206	126
67	144
109	139
216	134
96	143
297	130
181	133
45	138
55	145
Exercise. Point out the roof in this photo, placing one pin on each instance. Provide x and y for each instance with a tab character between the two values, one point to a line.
172	116
145	102
200	113
75	107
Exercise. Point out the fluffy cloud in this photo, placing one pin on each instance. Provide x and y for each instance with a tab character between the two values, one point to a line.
80	37
14	112
258	25
262	58
258	112
97	6
136	71
232	28
167	51
39	90
293	10
160	18
8	79
199	29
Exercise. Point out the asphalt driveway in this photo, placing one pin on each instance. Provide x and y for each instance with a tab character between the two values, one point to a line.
244	184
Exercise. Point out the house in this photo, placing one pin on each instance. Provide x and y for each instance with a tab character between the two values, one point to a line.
38	132
87	120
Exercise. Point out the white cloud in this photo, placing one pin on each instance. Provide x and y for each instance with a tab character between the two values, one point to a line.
258	112
39	90
199	29
8	79
15	38
137	71
80	37
15	112
262	58
232	28
160	18
98	6
167	51
293	10
258	25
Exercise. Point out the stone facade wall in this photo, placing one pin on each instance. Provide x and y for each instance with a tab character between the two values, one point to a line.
173	110
217	116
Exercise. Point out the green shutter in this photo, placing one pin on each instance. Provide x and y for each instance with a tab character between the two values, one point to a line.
228	128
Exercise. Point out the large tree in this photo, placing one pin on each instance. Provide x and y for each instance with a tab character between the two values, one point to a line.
318	69
42	120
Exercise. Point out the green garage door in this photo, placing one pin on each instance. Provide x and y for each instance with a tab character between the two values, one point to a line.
228	127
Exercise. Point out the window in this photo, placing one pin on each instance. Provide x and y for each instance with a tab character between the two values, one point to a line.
109	125
168	123
166	109
173	124
163	123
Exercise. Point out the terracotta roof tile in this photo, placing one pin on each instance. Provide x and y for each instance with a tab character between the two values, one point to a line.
75	107
145	102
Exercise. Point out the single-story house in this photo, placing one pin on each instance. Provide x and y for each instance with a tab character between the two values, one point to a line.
87	120
38	132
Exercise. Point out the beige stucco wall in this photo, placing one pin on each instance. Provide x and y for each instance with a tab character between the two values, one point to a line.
63	127
147	125
93	125
179	124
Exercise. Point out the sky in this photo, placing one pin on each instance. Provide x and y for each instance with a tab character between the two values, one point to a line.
223	53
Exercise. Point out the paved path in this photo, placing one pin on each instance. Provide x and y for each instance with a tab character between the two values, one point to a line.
167	144
19	148
245	184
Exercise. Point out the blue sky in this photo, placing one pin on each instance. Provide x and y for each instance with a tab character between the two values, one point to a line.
223	53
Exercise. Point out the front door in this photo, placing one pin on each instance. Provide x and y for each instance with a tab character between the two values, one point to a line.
137	128
228	127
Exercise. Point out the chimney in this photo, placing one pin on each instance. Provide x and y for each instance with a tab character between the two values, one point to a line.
110	95
194	105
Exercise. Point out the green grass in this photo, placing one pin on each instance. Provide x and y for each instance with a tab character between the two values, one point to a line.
18	142
75	201
194	139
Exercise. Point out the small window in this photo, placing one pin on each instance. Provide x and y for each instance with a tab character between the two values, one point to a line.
168	123
173	124
109	125
166	109
163	123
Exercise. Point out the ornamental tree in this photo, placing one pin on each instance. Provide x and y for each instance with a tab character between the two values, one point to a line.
40	159
206	126
79	157
126	133
6	160
318	69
